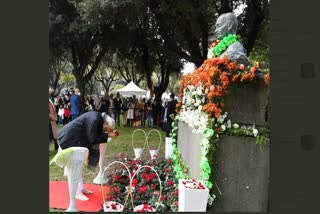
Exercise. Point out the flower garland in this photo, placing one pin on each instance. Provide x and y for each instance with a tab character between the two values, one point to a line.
212	79
220	46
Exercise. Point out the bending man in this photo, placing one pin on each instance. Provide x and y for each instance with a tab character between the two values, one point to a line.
76	139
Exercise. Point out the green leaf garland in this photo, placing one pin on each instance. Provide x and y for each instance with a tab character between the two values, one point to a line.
224	44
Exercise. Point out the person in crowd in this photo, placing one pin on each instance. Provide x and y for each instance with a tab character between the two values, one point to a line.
53	129
117	105
57	101
154	113
130	112
171	113
111	106
142	112
51	94
125	111
136	113
97	103
75	104
164	117
66	114
88	106
91	102
160	114
104	107
60	115
149	112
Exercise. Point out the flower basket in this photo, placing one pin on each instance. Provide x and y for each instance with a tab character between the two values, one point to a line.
143	208
193	196
113	206
138	150
146	207
154	151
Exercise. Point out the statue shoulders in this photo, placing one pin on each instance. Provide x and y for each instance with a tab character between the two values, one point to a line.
236	52
236	47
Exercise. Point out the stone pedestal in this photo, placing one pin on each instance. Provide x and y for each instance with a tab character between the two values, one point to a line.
246	103
243	168
189	145
243	175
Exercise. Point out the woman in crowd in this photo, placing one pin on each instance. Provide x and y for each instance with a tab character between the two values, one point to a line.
130	112
149	111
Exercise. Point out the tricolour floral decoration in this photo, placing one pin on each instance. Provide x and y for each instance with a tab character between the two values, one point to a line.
201	107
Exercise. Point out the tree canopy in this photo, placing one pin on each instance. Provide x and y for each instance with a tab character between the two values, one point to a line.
147	36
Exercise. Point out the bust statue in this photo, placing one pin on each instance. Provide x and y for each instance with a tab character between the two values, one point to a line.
227	24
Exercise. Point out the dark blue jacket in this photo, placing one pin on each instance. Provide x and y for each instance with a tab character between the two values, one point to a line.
84	131
75	104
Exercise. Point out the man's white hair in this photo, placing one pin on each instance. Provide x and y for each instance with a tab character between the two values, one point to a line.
107	118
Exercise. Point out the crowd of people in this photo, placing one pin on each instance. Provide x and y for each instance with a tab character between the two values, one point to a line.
133	111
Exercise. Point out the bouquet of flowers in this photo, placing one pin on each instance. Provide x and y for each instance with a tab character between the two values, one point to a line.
112	206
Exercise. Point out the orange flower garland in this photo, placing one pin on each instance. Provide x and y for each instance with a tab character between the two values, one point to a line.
216	74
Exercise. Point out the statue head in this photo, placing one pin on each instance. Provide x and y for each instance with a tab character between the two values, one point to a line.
226	23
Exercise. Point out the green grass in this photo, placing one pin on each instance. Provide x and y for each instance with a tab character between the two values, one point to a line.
122	143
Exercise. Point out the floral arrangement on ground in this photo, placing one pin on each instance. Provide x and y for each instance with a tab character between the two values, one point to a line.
145	185
201	107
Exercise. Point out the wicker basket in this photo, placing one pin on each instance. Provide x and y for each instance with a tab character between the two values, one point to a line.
138	150
146	207
113	206
153	152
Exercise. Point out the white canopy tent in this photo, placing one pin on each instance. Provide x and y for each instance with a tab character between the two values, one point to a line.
131	89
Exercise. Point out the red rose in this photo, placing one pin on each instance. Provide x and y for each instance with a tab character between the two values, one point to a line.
134	182
115	189
142	189
176	192
242	67
169	161
170	183
168	170
156	194
117	177
176	203
153	186
149	178
116	133
114	206
162	198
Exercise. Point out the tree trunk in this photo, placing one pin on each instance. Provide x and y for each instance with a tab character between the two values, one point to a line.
252	24
159	90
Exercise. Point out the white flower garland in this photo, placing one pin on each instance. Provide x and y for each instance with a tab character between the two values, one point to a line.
192	114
